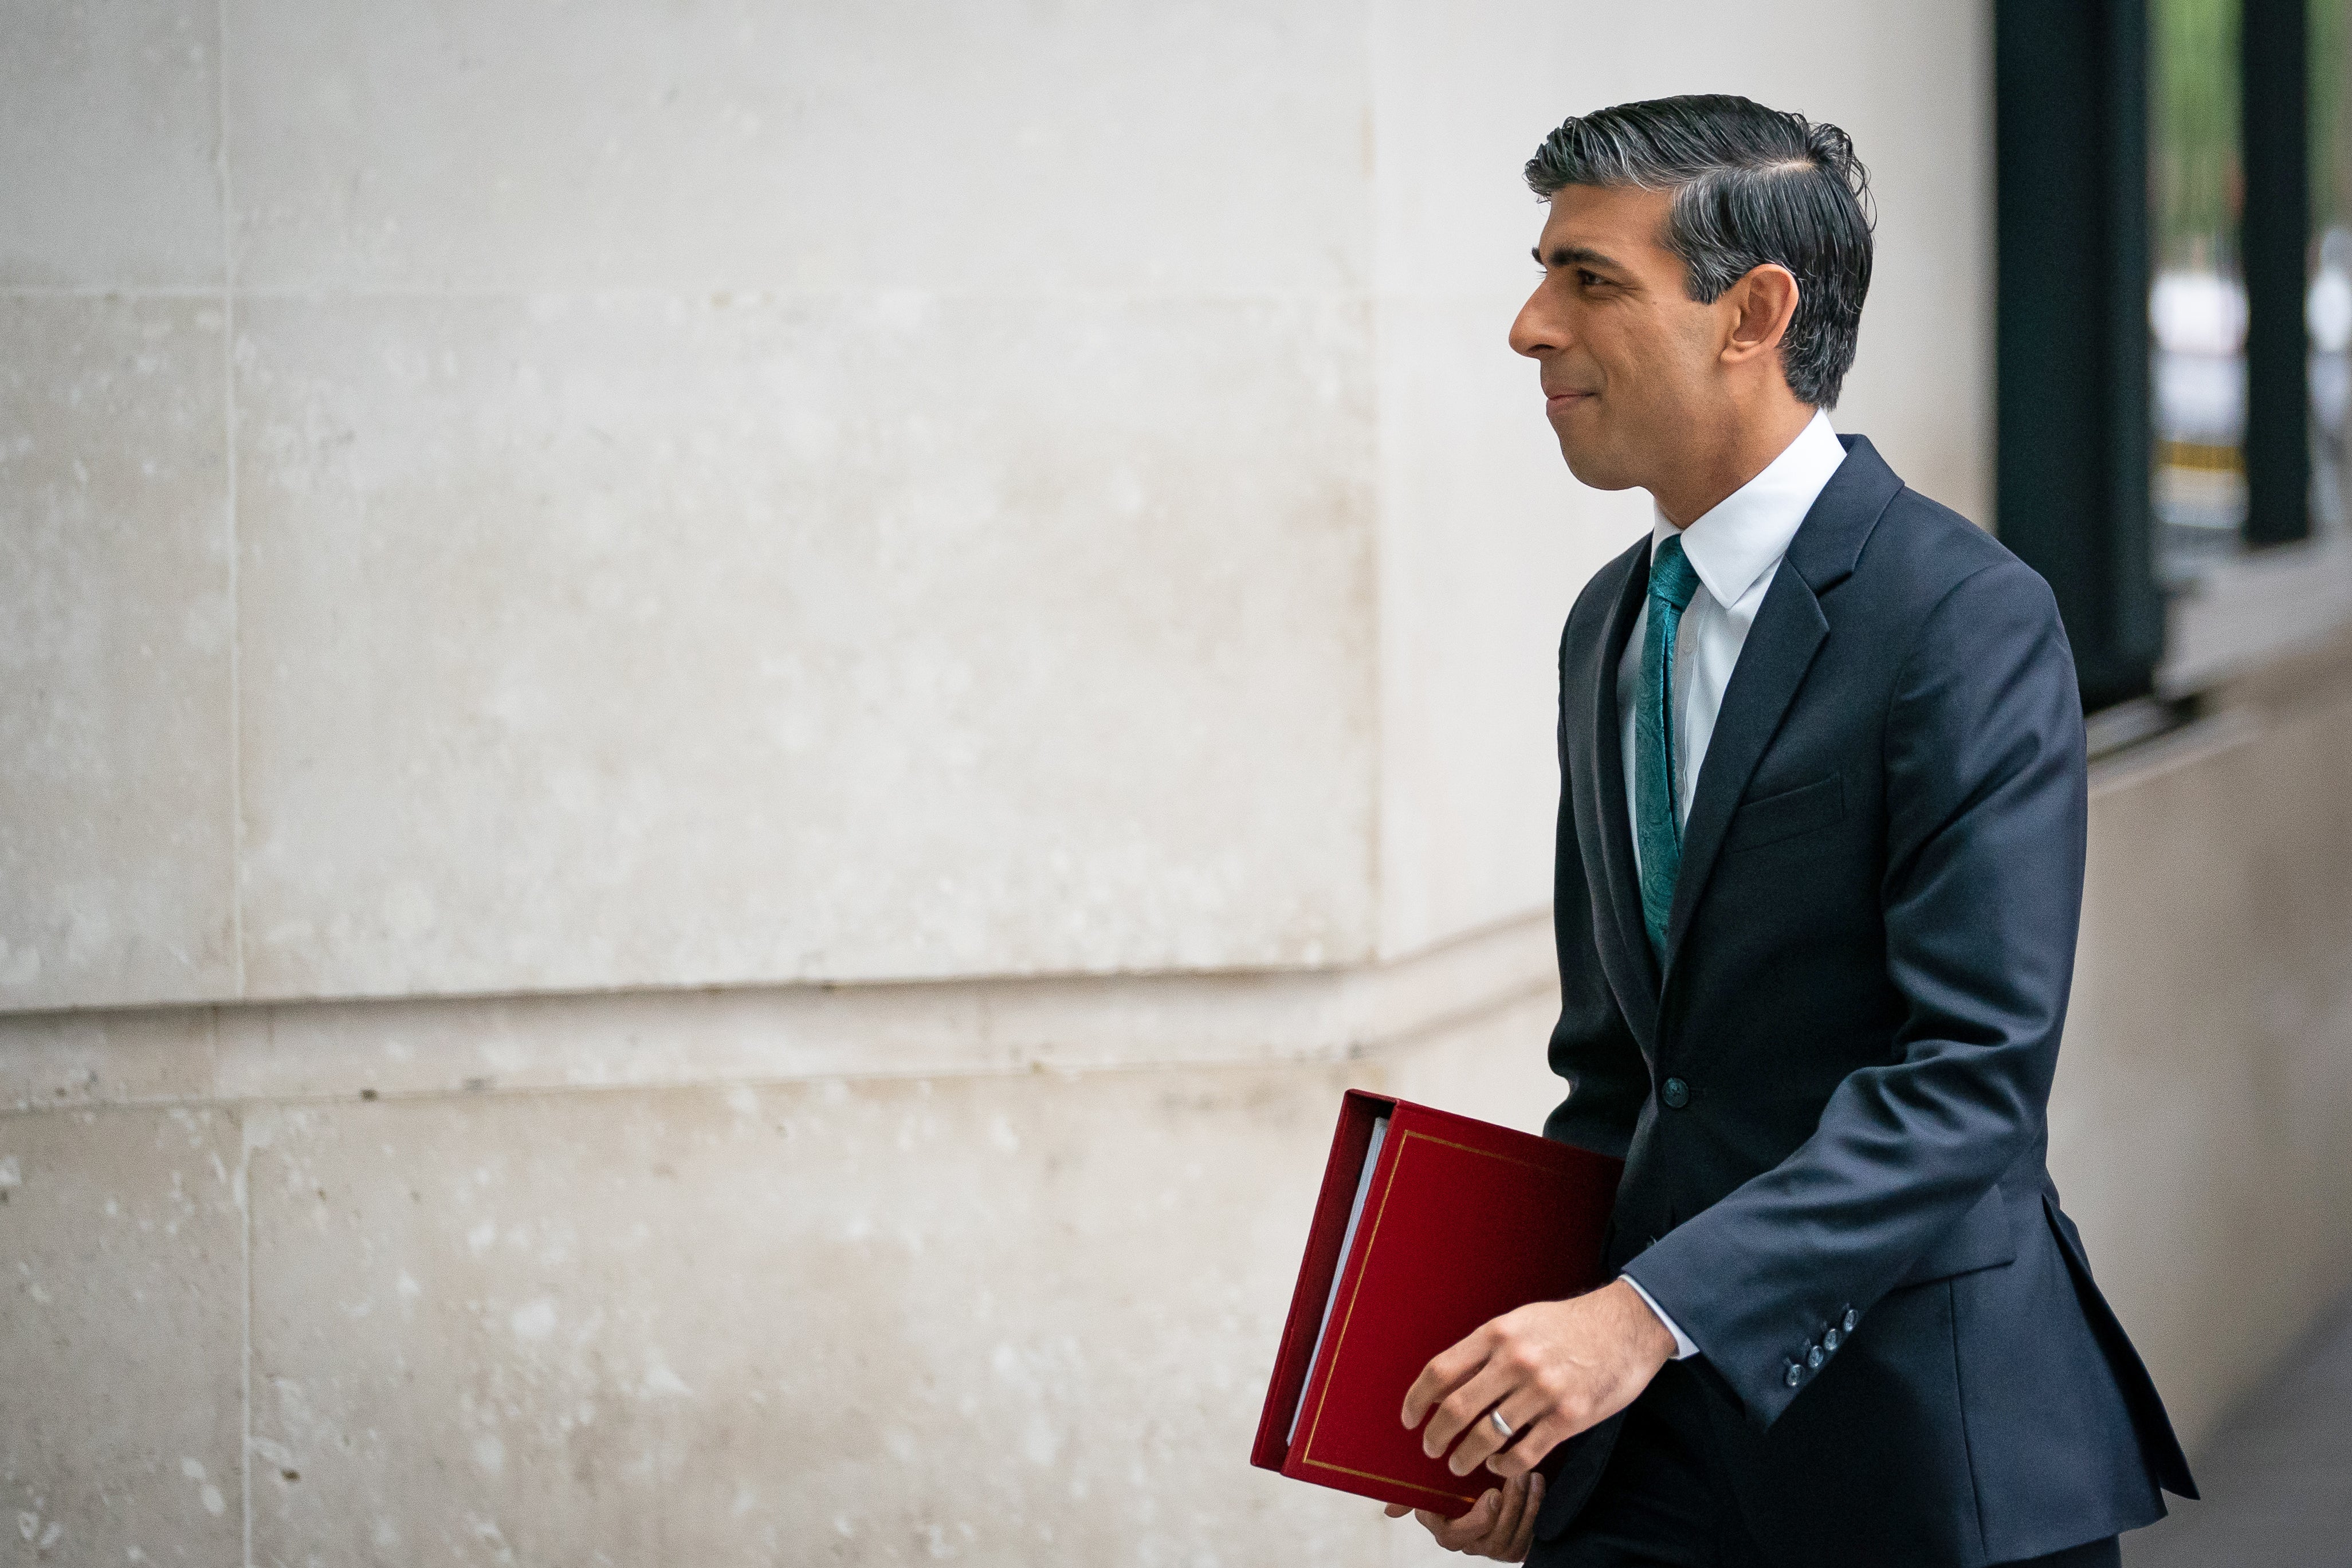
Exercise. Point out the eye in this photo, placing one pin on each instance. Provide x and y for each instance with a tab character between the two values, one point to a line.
1588	279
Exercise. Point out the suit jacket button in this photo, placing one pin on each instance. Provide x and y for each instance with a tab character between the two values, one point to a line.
1830	1340
1793	1375
1675	1092
1813	1357
1850	1317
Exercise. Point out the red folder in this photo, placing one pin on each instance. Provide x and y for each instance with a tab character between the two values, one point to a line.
1457	1221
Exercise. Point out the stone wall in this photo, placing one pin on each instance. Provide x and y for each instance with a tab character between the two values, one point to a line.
658	1278
2204	1096
507	498
722	725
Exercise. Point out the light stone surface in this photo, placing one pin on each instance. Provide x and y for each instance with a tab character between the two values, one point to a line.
309	1050
1491	1067
2266	608
121	1324
1484	538
996	147
109	144
2204	1094
735	496
116	838
559	1322
710	653
52	1060
1921	118
624	609
995	1321
1479	561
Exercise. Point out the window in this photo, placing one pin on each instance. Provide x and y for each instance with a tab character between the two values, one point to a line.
2174	330
2196	300
2327	306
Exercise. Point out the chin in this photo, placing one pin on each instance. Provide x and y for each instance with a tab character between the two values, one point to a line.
1599	470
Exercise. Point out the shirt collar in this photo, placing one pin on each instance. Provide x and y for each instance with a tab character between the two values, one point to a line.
1748	532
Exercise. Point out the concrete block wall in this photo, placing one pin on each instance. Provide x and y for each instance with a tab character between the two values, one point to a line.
578	1279
504	498
331	1286
722	725
2203	1103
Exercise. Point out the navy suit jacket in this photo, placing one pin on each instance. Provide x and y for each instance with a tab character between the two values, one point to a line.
1831	1096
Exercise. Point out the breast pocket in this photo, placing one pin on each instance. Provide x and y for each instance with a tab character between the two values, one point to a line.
1806	808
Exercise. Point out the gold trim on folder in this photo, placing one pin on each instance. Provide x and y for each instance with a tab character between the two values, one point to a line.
1306	1455
1393	1481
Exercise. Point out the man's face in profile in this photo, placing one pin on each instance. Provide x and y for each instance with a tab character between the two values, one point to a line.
1628	357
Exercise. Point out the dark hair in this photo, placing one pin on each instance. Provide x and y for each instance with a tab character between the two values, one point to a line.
1750	185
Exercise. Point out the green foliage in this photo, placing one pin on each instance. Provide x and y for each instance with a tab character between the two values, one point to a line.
2193	139
2331	115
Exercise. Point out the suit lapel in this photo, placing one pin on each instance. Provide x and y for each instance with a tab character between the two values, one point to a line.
1631	968
1789	631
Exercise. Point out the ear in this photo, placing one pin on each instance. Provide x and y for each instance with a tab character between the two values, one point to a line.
1762	303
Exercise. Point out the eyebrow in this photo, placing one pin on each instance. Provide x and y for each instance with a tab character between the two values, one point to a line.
1575	255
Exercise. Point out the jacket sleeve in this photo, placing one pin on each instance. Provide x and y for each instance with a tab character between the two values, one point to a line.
1593	1050
1986	812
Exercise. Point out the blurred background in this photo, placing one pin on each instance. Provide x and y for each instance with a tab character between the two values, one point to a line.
720	723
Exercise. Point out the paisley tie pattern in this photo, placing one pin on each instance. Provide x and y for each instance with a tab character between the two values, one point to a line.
1657	822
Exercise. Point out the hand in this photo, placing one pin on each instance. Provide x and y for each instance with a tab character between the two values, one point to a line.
1553	1368
1501	1524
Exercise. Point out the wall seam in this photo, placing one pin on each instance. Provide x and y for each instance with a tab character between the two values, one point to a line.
236	772
245	1329
229	435
1383	677
1468	1017
1530	924
1334	297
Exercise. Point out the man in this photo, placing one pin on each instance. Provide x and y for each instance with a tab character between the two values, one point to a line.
1819	870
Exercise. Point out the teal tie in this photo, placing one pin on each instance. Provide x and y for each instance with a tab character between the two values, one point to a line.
1656	770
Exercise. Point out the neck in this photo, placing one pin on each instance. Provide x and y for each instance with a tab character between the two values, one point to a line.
1748	441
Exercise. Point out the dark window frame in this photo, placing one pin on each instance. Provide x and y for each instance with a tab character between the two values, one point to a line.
2074	433
2274	240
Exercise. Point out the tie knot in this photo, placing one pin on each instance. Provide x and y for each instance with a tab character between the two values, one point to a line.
1672	576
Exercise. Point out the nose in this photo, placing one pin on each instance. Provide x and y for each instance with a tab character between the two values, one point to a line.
1537	331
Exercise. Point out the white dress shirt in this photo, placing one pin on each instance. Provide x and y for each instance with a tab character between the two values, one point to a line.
1735	548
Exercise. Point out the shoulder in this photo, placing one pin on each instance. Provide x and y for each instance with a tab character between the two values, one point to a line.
1922	551
1934	579
1972	634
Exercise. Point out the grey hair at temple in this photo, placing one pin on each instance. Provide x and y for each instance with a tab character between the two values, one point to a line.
1751	185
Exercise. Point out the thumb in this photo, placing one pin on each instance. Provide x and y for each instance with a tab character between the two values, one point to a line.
1397	1510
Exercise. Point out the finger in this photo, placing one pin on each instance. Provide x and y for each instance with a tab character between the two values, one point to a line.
1521	1405
1525	1408
1506	1518
1457	1534
1555	1428
1523	1538
1446	1372
1397	1510
1465	1411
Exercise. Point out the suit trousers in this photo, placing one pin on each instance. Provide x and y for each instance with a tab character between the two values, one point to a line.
1665	1501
